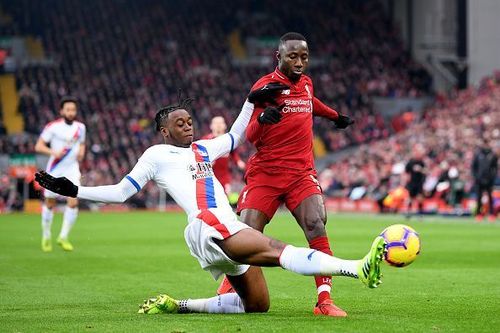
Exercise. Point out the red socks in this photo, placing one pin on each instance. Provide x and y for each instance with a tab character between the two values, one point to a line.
323	283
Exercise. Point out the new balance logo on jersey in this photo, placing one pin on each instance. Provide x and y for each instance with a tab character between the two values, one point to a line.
285	92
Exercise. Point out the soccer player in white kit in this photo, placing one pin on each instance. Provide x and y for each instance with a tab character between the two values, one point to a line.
64	141
215	237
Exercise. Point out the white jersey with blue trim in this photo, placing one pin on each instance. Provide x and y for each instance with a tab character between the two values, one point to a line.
185	173
66	138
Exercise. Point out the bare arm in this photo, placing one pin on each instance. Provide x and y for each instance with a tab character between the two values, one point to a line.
42	147
81	152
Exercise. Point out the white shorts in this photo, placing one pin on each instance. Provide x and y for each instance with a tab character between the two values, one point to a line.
72	174
200	234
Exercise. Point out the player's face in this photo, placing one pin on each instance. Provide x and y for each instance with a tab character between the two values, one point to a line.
68	112
293	58
218	126
179	131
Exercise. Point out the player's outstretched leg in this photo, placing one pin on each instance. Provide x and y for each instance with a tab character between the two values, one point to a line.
252	247
251	286
227	303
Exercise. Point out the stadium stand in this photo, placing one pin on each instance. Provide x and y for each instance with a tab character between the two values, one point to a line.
123	59
450	132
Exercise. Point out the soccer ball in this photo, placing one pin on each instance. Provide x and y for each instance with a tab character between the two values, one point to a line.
403	245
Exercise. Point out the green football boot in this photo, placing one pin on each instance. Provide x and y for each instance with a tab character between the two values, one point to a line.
65	244
369	266
46	245
159	304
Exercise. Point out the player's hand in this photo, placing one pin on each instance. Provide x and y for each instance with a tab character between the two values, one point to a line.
343	121
60	185
267	93
270	115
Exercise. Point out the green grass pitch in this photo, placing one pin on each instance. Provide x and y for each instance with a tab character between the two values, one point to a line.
122	258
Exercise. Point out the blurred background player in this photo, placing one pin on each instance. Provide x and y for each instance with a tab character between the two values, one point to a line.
221	166
415	168
64	141
484	171
282	170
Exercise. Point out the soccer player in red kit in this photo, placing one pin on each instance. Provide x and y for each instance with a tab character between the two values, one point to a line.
282	170
221	168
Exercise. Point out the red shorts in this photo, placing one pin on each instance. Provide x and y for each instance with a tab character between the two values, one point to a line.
267	191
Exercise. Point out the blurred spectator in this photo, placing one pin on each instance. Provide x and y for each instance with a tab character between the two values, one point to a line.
416	170
484	171
449	132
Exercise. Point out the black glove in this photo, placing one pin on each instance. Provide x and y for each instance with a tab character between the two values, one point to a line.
61	185
267	93
343	121
270	115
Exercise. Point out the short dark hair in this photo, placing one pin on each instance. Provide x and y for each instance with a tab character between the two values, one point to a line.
292	36
67	99
164	111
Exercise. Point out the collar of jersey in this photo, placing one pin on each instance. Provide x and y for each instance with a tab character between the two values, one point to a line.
285	78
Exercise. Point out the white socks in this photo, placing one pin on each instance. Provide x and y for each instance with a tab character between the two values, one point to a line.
47	217
226	303
311	262
69	218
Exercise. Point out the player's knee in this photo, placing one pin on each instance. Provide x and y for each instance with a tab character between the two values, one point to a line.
261	305
72	203
314	224
50	204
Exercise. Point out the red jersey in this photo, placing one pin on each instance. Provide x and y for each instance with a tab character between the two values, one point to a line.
221	165
287	144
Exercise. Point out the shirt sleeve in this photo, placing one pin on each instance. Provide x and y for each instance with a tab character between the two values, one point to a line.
212	149
255	129
47	134
143	171
321	110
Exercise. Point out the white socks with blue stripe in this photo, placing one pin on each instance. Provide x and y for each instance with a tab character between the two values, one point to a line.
311	262
226	303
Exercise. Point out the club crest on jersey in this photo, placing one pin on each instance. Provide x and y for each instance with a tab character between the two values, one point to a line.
200	152
308	91
201	170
